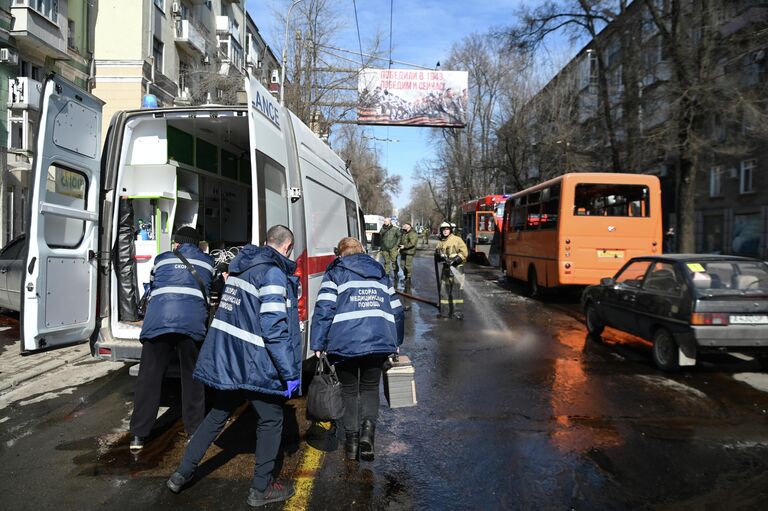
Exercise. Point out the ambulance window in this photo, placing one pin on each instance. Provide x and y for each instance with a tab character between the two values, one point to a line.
325	218
275	193
352	221
69	188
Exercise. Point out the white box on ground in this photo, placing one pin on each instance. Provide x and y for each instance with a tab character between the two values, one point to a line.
399	384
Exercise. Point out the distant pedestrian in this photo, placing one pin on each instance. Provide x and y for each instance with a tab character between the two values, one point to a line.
358	322
389	236
669	241
175	321
425	235
252	352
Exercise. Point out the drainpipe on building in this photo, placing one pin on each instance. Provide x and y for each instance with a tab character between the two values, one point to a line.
151	57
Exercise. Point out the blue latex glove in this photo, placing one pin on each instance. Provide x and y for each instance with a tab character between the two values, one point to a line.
293	387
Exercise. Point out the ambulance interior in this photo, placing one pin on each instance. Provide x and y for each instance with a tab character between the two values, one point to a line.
177	169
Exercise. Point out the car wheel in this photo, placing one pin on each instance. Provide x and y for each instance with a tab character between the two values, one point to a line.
533	283
594	325
665	354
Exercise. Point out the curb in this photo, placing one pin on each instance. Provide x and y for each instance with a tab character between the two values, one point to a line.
46	366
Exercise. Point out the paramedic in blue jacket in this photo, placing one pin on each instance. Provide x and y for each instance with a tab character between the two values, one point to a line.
175	320
358	322
253	352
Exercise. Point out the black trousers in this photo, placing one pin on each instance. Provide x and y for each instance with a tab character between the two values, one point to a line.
155	355
360	378
269	430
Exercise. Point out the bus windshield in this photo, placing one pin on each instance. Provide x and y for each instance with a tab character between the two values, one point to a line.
611	200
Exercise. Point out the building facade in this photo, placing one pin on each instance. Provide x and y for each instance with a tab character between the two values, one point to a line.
183	52
616	106
36	37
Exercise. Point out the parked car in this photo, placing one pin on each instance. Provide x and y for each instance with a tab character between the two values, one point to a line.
684	304
11	273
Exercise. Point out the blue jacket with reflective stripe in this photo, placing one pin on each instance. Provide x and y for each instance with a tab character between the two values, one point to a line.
357	312
176	304
254	342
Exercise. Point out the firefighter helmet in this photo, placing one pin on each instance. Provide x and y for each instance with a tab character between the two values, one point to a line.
446	225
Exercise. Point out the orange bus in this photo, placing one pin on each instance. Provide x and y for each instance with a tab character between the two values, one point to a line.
480	220
580	227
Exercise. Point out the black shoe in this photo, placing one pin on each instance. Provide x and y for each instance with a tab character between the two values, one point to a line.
177	482
351	446
367	434
458	315
275	492
137	443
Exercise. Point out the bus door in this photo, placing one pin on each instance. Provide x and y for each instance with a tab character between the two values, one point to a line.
58	304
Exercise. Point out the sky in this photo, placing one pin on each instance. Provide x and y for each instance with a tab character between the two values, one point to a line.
423	32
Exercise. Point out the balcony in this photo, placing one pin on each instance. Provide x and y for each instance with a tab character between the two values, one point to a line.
189	38
24	93
224	25
38	33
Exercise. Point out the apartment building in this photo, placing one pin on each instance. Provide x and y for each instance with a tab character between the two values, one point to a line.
569	130
36	37
181	51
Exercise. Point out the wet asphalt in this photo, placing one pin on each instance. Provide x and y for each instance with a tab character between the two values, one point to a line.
517	409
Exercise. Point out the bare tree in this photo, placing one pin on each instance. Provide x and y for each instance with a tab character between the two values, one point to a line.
374	185
705	95
207	84
468	156
579	19
321	79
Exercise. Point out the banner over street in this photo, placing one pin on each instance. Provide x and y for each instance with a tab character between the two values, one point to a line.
406	97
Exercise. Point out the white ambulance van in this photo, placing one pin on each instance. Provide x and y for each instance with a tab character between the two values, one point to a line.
230	172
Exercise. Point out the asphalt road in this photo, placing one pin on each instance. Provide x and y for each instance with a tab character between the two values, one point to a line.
518	409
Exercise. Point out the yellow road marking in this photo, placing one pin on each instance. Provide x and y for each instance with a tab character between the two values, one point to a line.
305	476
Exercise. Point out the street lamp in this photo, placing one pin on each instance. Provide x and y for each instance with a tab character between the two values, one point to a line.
285	51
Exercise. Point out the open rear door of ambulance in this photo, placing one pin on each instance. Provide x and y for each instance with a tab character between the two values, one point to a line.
58	305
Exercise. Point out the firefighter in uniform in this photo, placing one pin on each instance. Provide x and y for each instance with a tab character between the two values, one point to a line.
452	253
390	241
408	241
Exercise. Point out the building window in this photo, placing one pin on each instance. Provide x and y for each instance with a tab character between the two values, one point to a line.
746	234
745	176
20	131
48	8
715	181
157	53
71	34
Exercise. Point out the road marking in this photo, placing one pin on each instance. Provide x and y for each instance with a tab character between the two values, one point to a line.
305	475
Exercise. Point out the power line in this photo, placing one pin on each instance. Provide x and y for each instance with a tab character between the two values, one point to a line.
359	41
391	10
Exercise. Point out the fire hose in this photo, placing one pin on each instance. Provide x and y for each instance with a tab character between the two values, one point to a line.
417	298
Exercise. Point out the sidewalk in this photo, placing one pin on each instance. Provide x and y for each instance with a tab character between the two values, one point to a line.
16	369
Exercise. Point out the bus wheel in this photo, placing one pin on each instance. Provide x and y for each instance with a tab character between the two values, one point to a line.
533	283
665	351
594	325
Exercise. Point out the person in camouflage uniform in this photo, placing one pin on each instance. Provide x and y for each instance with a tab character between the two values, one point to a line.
452	252
408	241
390	242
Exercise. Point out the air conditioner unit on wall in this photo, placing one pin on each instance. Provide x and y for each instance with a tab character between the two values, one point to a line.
176	9
9	56
275	76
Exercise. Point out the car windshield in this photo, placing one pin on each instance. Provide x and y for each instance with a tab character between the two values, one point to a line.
722	277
